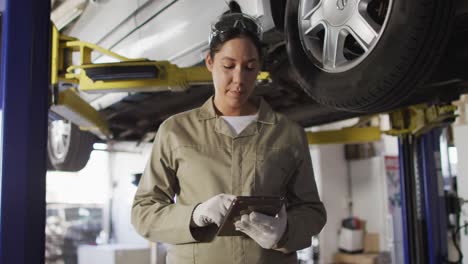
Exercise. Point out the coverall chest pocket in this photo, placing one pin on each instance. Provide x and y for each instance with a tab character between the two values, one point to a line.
273	167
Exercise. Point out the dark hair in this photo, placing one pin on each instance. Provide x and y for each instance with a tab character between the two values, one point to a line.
234	7
218	41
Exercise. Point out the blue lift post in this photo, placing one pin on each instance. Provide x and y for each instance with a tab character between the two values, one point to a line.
434	197
423	201
408	198
25	58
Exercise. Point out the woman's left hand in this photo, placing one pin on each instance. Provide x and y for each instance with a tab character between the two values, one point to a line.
265	230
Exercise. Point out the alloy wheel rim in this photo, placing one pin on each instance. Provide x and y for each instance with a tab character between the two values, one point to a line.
337	35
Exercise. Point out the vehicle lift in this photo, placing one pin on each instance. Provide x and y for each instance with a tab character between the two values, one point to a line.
425	200
68	78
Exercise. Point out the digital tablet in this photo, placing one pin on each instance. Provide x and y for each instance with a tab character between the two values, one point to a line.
268	205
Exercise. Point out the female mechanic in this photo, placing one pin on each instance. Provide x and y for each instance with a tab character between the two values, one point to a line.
233	145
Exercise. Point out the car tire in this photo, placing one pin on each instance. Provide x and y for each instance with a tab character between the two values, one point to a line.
68	147
409	45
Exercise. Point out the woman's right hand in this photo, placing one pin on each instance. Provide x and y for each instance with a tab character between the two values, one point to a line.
212	210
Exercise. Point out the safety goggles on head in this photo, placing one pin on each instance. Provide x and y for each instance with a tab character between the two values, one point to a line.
242	22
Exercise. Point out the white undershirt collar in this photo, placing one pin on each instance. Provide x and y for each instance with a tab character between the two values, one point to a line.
239	123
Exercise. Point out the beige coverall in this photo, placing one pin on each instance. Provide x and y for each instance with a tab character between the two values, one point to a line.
195	156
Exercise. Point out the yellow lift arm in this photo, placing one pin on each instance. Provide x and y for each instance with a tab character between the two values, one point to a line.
348	135
415	120
419	119
126	75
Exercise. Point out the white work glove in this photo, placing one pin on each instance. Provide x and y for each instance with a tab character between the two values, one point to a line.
265	230
212	210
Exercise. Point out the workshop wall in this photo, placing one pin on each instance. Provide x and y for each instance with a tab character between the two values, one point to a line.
126	159
461	143
331	171
369	193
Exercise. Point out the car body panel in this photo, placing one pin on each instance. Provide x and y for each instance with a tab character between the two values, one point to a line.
143	29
